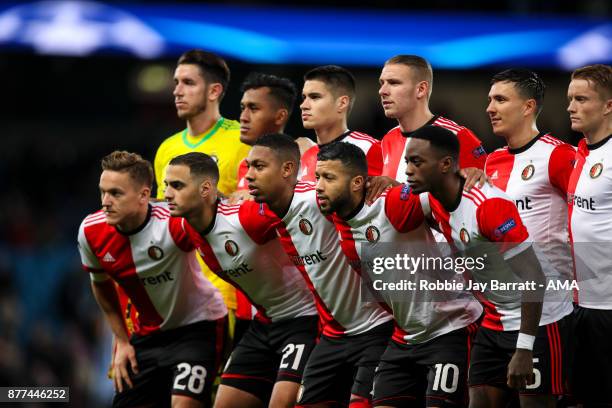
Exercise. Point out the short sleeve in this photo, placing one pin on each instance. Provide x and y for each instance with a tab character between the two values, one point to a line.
89	261
404	209
182	233
471	151
257	222
375	159
561	165
499	221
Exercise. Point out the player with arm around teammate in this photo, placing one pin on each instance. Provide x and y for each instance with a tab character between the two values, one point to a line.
355	329
239	244
426	361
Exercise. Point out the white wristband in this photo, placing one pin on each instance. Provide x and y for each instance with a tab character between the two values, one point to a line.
525	341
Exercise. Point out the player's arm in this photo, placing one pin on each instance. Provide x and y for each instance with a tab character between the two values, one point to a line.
405	211
520	368
377	185
106	297
500	222
473	176
560	167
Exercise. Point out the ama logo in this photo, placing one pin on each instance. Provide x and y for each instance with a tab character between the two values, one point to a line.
231	248
305	226
372	234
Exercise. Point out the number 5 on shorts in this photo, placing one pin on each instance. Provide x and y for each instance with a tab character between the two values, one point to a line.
537	380
287	351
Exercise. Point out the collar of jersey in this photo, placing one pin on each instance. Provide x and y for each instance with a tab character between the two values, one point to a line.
212	221
140	227
338	139
457	202
355	211
429	122
206	135
598	144
527	146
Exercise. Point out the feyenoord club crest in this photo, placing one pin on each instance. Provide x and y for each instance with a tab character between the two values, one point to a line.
528	172
231	247
464	236
155	253
305	226
596	170
372	234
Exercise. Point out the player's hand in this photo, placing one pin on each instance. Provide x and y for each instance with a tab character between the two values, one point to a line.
124	355
520	369
376	185
237	196
473	176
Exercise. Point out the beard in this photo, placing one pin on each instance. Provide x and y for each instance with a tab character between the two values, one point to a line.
194	111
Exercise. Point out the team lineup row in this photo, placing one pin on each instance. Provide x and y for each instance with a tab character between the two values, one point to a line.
291	248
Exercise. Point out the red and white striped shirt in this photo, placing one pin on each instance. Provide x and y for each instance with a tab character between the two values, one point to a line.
397	217
487	214
370	146
590	221
241	247
311	241
471	152
155	265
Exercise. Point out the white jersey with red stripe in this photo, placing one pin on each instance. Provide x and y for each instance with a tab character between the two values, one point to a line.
471	152
536	177
397	217
155	265
483	215
370	146
311	241
241	247
590	209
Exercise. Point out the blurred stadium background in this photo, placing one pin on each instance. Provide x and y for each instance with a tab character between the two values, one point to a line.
80	79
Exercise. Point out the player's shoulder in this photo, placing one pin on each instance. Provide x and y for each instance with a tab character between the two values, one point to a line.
304	190
362	137
227	209
488	192
92	219
392	133
160	210
171	140
448	124
549	139
305	186
312	150
502	151
230	125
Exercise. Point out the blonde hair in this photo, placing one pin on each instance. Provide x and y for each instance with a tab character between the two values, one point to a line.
139	169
